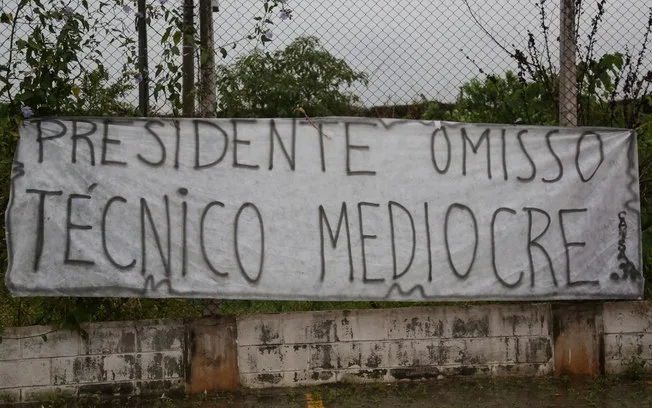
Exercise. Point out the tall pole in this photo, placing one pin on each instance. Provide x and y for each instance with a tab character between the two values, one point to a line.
188	59
567	65
143	84
207	96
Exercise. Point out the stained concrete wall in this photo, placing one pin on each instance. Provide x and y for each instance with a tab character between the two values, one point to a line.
627	337
167	356
394	344
117	358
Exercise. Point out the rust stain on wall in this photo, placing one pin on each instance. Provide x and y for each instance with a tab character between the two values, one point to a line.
576	333
214	364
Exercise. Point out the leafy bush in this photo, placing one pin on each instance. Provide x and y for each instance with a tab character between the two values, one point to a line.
304	74
499	100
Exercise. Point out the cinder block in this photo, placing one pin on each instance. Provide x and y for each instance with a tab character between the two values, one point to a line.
431	352
613	347
288	378
373	354
427	372
9	348
627	317
173	388
121	367
36	394
418	353
415	323
256	359
633	365
291	357
490	350
124	388
361	325
613	367
534	349
400	353
160	366
296	357
110	338
521	369
637	346
77	370
263	380
155	336
309	377
256	330
525	319
323	357
364	375
61	343
24	373
346	355
315	327
9	395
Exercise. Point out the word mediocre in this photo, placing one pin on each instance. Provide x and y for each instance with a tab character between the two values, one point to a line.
336	208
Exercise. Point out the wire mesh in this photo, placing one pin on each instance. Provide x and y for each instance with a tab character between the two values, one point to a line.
412	51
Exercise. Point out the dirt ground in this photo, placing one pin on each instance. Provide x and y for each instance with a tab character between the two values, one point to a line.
451	393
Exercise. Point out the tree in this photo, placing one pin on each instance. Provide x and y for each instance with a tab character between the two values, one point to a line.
263	84
499	100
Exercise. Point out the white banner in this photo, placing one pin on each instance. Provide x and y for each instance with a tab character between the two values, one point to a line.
336	208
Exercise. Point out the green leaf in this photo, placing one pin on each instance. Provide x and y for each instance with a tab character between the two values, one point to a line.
6	17
223	51
177	37
166	34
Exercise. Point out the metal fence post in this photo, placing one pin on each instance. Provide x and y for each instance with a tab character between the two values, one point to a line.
567	65
188	60
207	97
143	84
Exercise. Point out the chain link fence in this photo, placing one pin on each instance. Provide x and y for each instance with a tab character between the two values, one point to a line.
411	52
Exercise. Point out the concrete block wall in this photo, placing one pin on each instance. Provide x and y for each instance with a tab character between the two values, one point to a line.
627	336
224	353
393	344
117	358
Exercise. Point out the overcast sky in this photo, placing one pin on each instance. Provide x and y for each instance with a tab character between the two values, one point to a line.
408	47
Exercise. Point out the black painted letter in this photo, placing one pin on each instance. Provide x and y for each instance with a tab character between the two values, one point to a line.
493	250
364	236
567	244
104	244
262	243
40	226
350	147
344	217
390	206
461	207
198	148
70	226
534	243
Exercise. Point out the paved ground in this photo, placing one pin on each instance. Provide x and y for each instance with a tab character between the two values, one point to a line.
451	393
